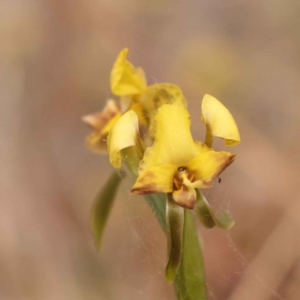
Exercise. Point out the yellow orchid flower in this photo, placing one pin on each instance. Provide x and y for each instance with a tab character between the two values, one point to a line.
130	84
219	122
126	81
176	163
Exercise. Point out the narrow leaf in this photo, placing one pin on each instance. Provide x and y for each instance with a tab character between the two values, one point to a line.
208	217
175	221
102	206
190	281
157	203
204	214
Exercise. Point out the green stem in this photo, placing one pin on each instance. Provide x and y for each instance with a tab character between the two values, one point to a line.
190	280
157	203
175	225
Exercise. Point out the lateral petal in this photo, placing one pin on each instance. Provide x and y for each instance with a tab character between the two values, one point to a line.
219	120
209	164
123	134
157	179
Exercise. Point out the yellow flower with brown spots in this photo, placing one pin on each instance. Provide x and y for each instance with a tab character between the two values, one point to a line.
176	163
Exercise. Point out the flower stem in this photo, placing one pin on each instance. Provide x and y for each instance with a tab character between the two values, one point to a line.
190	280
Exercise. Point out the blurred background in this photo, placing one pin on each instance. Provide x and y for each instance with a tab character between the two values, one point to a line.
55	62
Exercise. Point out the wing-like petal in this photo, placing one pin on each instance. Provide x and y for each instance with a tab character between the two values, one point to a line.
209	164
219	121
158	179
123	134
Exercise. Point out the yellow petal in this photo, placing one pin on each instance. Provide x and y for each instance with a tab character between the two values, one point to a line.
198	184
157	95
97	140
173	140
101	122
110	124
125	79
123	134
209	164
155	180
219	121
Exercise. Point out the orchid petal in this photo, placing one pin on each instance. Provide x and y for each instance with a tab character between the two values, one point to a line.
209	164
159	94
185	196
125	79
173	140
96	141
219	121
158	179
125	133
98	121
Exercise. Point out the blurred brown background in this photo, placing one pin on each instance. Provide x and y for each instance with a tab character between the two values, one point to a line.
55	61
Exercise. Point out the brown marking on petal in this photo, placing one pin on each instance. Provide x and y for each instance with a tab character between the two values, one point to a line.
156	101
146	189
186	202
166	95
148	176
176	184
227	163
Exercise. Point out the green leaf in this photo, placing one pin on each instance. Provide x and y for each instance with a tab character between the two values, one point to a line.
175	221
157	203
204	215
190	281
208	217
102	206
